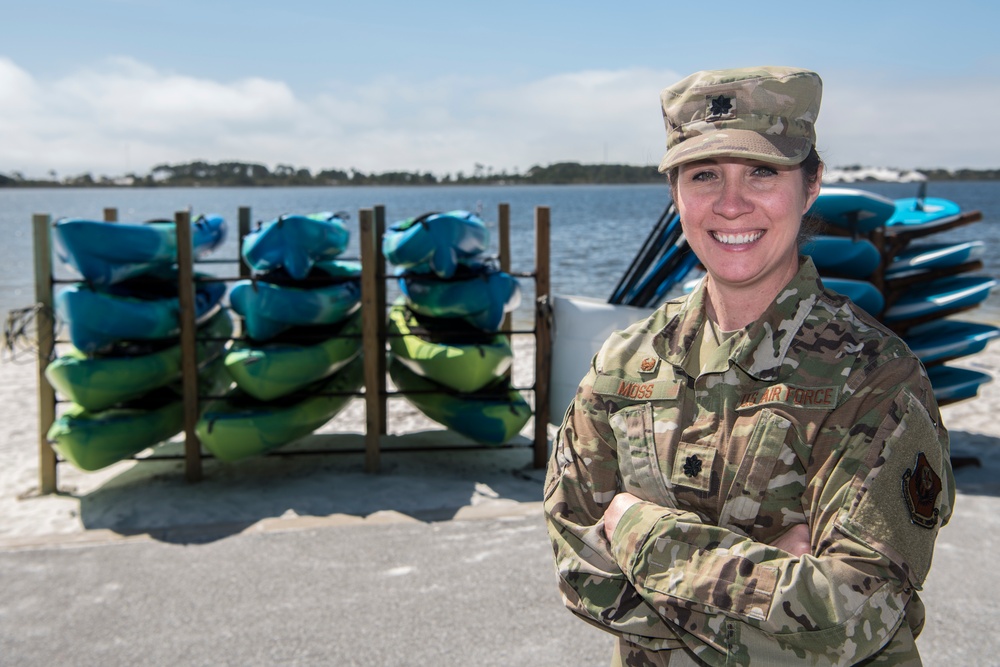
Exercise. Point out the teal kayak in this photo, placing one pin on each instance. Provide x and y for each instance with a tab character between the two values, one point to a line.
492	415
142	308
296	243
436	242
448	351
478	294
843	256
97	382
299	357
92	440
109	252
239	426
274	302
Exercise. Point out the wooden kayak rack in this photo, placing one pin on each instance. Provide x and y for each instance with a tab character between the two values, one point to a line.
371	223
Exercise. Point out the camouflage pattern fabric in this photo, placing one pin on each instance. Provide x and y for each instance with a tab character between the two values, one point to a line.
767	113
814	414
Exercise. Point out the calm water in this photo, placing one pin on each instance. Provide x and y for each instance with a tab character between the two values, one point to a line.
595	230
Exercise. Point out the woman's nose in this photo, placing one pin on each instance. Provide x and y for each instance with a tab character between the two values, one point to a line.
732	200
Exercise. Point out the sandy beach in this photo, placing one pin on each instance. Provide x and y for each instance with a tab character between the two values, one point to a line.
149	499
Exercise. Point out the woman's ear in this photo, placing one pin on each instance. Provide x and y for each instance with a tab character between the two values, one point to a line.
812	191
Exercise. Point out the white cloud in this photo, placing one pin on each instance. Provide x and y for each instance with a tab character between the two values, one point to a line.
122	115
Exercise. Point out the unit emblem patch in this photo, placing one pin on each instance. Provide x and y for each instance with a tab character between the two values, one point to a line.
921	486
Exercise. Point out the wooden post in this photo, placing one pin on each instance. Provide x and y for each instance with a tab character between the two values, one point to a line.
503	234
189	361
379	260
110	215
45	340
372	345
543	336
243	230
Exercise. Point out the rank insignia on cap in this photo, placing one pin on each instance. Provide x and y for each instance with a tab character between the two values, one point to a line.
692	466
720	106
648	365
921	486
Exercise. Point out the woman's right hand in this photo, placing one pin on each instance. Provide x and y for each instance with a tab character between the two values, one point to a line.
795	540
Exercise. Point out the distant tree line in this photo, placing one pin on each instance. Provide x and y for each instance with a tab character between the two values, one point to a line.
248	174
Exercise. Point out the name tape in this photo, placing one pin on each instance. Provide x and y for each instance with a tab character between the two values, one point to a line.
636	390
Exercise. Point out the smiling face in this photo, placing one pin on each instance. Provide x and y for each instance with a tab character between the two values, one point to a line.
742	218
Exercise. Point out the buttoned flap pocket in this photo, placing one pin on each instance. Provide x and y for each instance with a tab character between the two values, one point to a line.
637	460
754	478
724	582
899	491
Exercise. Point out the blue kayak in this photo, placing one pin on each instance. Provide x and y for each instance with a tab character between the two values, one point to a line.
436	242
865	295
143	308
479	294
105	253
843	256
951	384
939	297
854	210
941	340
296	243
923	256
921	214
274	303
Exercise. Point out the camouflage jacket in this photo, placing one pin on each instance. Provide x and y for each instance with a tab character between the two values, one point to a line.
814	414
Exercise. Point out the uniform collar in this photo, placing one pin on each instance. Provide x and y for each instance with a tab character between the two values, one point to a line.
761	348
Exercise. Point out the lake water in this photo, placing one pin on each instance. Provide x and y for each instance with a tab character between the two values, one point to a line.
595	230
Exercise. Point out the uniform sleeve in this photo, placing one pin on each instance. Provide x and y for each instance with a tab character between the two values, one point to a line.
581	481
879	486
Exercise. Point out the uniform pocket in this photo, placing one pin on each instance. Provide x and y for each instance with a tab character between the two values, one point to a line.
638	464
754	476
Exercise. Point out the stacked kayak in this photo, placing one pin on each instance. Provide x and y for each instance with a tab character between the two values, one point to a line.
120	375
240	426
446	353
105	253
297	362
296	243
921	284
273	302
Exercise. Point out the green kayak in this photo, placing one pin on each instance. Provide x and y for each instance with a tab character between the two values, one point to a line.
448	351
240	426
96	382
91	440
492	416
297	358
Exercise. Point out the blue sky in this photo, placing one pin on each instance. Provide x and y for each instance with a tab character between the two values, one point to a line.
112	86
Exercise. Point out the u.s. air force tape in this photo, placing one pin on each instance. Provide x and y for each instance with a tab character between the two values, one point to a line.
799	397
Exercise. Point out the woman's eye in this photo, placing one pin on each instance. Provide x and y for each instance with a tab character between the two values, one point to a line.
702	176
765	171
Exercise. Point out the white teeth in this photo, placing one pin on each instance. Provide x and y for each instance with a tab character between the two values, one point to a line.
736	239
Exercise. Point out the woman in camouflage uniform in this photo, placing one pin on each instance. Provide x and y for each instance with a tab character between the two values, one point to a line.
755	474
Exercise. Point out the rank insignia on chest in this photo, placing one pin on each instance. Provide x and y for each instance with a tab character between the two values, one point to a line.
921	486
692	466
649	365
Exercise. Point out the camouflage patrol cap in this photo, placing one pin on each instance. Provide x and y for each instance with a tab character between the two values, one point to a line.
763	113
